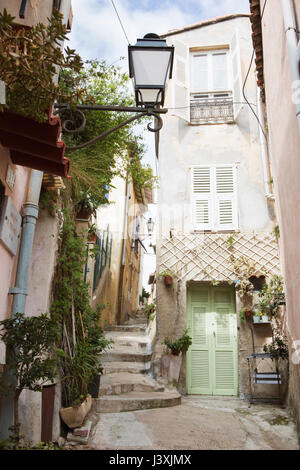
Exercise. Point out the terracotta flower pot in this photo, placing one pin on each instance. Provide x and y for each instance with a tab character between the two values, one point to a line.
73	416
92	238
168	280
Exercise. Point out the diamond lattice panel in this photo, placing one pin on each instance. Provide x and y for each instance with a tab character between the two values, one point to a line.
203	257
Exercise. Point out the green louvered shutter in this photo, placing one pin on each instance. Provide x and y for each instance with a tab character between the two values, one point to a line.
212	367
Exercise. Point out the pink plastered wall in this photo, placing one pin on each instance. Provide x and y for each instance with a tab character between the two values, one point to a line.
8	262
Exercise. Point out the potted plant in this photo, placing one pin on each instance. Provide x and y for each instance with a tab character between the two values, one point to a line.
257	314
92	233
278	349
150	310
86	206
171	363
31	356
245	314
168	276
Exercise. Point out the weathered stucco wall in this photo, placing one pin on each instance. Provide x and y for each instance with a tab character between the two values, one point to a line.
284	139
8	260
36	11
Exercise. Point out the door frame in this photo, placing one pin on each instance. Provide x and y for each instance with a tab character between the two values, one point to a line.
194	286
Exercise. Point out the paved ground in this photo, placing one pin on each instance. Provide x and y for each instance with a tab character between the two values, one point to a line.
198	423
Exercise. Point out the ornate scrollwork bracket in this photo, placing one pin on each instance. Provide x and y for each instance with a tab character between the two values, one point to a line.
74	121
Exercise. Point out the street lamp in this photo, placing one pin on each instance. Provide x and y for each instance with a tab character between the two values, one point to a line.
150	66
150	226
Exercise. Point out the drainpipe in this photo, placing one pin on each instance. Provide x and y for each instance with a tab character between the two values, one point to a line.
291	39
30	215
264	150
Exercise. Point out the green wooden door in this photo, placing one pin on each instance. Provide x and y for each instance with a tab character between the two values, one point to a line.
212	366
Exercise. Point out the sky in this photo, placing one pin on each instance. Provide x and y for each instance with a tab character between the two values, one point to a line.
97	34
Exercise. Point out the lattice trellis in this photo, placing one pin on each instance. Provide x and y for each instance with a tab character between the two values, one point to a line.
203	257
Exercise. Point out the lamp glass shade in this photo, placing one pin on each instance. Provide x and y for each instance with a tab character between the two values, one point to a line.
150	65
150	225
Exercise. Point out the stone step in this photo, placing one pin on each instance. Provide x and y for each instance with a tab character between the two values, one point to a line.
133	401
128	328
122	382
131	367
138	320
121	355
134	341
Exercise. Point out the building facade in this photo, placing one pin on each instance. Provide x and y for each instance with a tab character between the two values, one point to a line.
29	236
116	275
216	210
278	76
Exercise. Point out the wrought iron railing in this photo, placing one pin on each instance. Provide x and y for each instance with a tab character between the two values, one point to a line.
103	256
211	109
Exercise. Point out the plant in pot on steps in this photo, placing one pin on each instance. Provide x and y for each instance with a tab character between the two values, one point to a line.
82	340
171	363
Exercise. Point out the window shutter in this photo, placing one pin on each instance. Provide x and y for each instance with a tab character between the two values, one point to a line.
200	78
199	352
236	74
220	71
181	92
225	202
202	198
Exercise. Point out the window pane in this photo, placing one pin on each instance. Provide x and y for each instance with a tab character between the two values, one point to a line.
220	72
200	73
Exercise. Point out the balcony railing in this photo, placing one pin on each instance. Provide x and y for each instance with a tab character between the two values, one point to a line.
211	108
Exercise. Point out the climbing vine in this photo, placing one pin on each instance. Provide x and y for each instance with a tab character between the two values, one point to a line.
81	338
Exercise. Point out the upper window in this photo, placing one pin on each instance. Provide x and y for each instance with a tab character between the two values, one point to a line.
210	87
210	71
214	199
207	83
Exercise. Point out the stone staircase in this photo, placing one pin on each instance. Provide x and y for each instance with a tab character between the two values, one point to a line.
126	383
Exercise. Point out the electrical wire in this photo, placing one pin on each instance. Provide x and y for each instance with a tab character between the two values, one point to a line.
120	21
246	78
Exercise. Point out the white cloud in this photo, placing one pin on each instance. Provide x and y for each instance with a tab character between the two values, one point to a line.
97	33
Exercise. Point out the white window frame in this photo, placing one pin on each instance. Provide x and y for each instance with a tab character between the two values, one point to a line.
213	198
209	53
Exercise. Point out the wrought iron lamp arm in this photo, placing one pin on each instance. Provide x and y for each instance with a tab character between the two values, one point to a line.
80	108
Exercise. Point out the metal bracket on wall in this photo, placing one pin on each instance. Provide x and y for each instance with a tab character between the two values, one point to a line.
74	122
17	290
